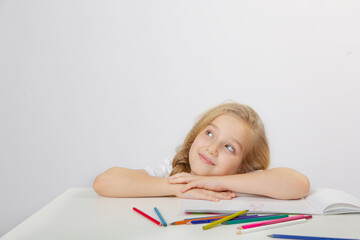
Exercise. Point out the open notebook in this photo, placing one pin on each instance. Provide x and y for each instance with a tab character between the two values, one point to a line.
318	201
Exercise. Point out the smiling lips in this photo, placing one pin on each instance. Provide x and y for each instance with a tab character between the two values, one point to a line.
206	159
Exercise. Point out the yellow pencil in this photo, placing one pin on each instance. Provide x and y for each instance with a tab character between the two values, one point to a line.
212	224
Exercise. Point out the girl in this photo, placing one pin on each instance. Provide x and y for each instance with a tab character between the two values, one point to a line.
226	151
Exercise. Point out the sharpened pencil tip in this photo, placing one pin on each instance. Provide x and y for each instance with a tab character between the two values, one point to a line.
173	223
271	235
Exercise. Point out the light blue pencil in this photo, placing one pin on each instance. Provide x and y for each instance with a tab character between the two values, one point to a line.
161	218
307	237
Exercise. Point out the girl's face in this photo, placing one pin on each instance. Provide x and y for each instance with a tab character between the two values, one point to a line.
219	149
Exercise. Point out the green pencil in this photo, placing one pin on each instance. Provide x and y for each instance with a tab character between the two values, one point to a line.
255	219
212	224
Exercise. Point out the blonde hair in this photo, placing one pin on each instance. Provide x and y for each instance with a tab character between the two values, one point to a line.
257	156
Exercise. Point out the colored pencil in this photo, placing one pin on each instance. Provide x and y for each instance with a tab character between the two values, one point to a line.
211	220
219	216
147	216
212	224
179	222
201	221
199	213
160	216
308	237
292	218
276	225
191	219
258	219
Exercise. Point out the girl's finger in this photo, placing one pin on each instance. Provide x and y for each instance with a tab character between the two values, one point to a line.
212	198
178	180
207	195
187	187
224	196
194	184
216	196
181	179
219	195
173	180
179	175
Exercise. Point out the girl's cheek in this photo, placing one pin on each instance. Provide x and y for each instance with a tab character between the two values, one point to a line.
200	141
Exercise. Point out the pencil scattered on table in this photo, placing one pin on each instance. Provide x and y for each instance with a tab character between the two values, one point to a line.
276	225
292	218
211	220
147	216
194	219
256	219
215	216
264	222
160	216
212	224
308	237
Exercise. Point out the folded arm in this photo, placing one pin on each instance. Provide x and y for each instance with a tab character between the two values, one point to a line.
280	183
123	182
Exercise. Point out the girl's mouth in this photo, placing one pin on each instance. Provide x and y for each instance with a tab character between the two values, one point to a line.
205	159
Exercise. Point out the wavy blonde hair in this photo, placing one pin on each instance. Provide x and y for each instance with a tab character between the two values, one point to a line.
257	155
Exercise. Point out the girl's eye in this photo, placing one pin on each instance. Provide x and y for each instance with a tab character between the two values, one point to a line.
209	133
230	148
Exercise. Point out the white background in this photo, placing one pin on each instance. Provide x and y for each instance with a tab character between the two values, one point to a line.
87	85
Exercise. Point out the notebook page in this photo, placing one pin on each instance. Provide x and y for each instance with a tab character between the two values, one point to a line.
324	199
253	203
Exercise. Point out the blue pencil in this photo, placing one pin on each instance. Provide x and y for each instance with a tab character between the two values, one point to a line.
223	215
307	237
161	218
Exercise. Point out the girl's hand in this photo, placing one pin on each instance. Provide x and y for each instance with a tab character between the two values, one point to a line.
203	194
183	178
202	182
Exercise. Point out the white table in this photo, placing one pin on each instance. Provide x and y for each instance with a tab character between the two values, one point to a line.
80	213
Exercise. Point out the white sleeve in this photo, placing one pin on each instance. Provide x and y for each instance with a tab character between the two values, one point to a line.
162	170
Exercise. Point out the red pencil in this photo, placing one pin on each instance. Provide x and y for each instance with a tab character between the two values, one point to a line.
147	216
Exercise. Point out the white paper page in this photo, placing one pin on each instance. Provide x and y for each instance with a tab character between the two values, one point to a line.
323	198
253	203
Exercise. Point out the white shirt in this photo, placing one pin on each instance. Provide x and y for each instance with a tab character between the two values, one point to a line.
162	170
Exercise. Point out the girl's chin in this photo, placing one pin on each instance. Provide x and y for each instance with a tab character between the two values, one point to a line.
200	173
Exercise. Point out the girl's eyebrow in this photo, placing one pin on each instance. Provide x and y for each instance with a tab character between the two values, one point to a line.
236	141
211	124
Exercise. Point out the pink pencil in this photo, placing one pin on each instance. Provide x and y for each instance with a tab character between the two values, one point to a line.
147	216
252	225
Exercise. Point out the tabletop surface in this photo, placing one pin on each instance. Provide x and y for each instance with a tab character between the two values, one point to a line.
79	213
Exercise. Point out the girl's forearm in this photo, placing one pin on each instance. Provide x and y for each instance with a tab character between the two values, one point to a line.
280	183
122	182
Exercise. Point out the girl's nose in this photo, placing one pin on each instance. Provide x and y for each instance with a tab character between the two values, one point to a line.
212	149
